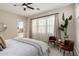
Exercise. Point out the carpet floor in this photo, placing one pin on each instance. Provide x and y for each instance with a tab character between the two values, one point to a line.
54	51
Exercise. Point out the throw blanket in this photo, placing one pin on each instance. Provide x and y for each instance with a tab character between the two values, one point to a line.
41	46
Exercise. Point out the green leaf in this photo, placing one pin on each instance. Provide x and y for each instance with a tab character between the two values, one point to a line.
62	26
63	17
66	23
70	17
62	29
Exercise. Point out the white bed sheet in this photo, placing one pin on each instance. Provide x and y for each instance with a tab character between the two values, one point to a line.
15	48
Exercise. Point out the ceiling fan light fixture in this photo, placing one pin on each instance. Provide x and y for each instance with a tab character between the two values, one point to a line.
24	9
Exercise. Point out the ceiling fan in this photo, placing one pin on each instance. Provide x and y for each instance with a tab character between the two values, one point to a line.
27	5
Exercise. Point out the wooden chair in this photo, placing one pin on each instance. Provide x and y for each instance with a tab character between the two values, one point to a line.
52	39
68	45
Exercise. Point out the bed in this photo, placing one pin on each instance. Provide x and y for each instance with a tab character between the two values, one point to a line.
25	47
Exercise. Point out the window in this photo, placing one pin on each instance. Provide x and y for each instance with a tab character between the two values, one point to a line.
20	29
50	25
43	26
34	26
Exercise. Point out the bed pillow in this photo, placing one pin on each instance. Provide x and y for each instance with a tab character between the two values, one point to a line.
1	48
2	43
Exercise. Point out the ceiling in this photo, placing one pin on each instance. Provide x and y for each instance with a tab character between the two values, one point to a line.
19	9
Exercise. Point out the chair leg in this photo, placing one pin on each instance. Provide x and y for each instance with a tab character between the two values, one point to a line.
69	52
49	43
48	51
73	53
64	53
60	49
54	45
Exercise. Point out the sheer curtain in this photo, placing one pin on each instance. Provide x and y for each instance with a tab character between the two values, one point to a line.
43	27
57	32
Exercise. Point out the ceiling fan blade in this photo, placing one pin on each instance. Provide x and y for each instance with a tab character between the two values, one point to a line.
30	7
24	4
28	3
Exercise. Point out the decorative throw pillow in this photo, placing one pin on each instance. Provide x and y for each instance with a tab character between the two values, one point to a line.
2	43
1	48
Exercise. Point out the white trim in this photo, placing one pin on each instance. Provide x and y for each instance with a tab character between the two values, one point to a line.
77	51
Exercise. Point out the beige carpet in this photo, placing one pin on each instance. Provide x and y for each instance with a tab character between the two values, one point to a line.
56	52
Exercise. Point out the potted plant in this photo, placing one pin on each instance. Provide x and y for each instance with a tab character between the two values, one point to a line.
64	27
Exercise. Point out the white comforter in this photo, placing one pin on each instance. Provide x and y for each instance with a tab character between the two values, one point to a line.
25	47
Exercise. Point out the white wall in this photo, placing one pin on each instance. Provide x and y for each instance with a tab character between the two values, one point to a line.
77	27
67	10
10	20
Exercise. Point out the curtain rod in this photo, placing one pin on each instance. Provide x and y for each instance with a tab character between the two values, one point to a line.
44	16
